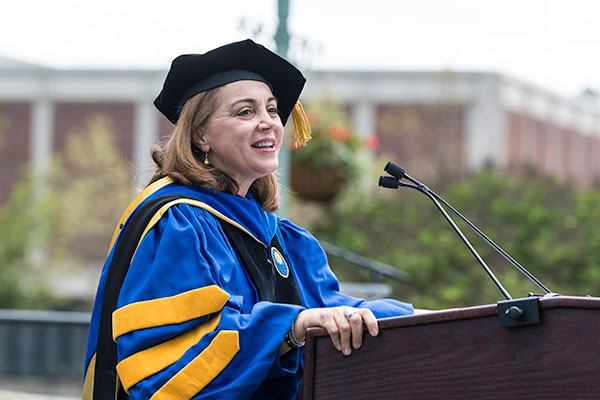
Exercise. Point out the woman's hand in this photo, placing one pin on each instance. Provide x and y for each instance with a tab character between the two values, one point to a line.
344	325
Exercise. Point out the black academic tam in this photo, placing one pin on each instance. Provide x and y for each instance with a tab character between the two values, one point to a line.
191	74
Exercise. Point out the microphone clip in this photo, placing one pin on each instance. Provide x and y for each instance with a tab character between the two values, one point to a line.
518	312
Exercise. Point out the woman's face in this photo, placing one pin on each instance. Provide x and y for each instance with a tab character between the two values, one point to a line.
244	134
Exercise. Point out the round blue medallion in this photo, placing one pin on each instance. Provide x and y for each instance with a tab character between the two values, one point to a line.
279	262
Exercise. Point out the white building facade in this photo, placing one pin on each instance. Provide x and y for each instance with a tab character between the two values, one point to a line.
430	122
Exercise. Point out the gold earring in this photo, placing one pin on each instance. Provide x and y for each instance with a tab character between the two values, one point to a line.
206	162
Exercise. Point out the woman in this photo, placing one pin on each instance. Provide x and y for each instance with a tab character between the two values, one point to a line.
220	292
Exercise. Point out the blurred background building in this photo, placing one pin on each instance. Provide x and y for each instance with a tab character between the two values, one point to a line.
439	122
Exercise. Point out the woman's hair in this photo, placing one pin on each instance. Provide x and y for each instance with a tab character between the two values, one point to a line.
182	161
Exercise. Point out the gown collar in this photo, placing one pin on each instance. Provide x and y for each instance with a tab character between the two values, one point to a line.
245	211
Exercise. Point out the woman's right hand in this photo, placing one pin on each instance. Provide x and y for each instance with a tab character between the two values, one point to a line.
344	325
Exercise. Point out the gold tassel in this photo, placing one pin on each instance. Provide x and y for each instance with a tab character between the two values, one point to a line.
302	130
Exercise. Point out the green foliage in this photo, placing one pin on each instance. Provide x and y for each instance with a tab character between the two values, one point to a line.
550	229
89	186
52	228
22	229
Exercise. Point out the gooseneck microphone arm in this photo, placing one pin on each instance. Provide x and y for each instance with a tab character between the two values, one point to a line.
399	173
394	183
489	241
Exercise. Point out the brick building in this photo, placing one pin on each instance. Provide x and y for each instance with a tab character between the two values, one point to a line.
430	122
450	122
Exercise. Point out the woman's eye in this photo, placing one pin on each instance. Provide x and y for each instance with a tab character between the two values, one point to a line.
244	113
272	110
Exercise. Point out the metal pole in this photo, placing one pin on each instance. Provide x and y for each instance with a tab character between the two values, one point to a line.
282	36
282	42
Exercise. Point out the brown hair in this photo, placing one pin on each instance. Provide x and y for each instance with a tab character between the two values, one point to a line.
182	161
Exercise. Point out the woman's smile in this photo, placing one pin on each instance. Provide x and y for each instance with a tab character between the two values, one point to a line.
265	145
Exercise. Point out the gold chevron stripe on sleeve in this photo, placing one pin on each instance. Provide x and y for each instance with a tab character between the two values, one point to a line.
168	310
201	370
148	362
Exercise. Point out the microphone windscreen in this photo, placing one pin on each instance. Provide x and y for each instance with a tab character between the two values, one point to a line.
395	170
388	182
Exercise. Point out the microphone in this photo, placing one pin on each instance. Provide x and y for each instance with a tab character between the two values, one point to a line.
399	173
395	170
389	182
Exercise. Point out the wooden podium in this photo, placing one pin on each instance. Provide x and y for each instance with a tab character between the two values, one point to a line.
465	354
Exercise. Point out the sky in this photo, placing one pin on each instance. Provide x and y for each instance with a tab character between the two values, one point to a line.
553	44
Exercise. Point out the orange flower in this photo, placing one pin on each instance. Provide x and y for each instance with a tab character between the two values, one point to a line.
372	141
339	133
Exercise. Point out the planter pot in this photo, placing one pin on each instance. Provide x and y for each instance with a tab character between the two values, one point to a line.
316	184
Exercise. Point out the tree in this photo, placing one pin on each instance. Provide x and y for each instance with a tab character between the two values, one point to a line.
89	187
63	220
23	228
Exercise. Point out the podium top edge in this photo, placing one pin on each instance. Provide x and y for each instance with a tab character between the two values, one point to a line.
488	310
570	301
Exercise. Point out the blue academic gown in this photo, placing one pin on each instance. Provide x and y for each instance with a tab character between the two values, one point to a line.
189	323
